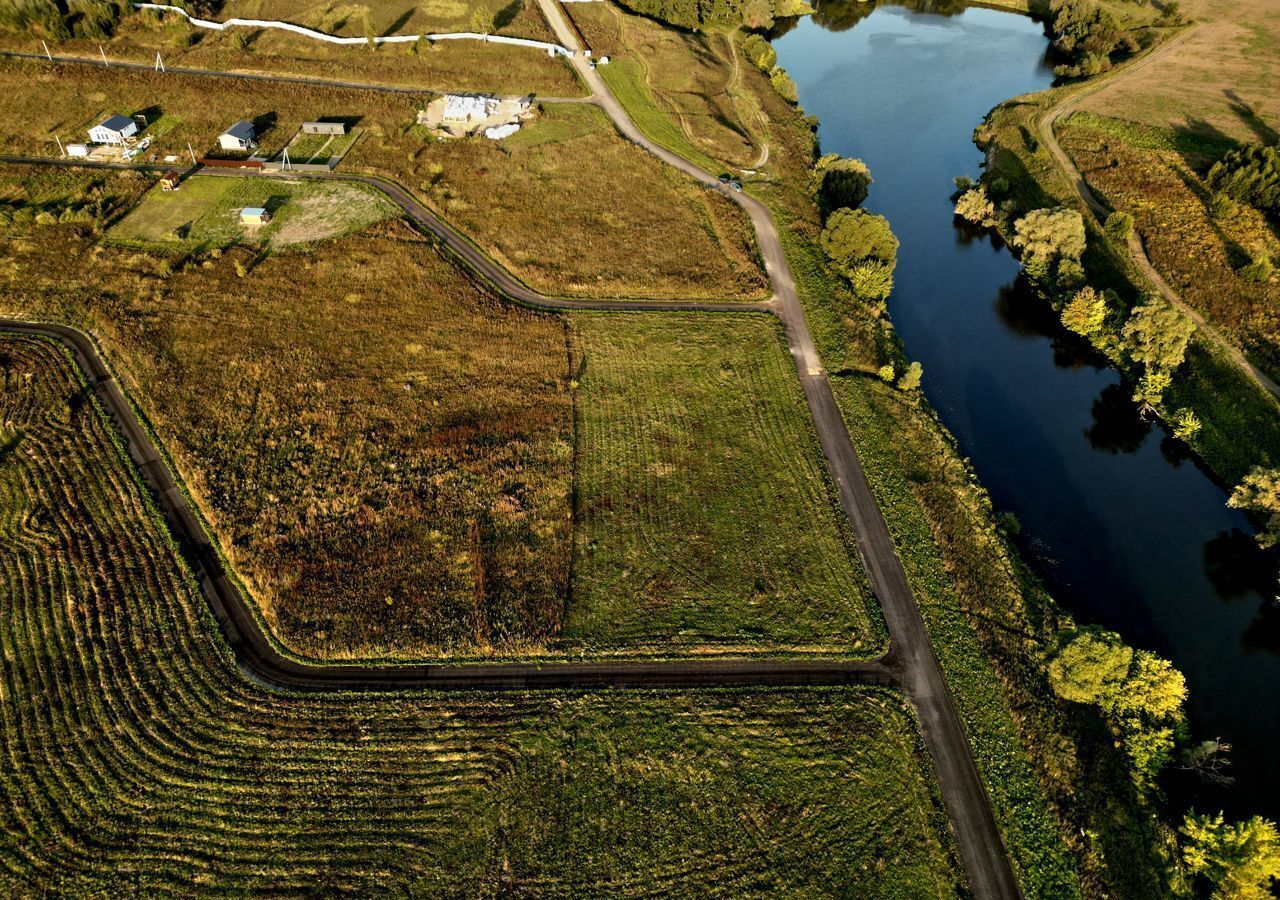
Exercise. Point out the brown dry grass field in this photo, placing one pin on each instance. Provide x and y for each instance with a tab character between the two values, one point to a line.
445	65
385	451
1209	83
570	206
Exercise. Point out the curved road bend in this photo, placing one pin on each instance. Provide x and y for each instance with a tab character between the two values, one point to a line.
912	658
1137	252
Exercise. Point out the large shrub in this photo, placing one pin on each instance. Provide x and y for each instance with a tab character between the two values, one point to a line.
862	248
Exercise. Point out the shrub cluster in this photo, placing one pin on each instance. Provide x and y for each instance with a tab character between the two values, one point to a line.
1250	175
1089	37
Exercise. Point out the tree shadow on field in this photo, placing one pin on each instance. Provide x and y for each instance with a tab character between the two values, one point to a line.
505	16
264	123
1261	130
1201	144
1237	255
399	23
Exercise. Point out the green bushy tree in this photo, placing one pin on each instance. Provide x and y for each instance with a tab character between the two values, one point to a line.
1052	242
841	182
855	237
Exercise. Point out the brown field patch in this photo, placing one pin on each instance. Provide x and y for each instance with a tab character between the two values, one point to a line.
1212	82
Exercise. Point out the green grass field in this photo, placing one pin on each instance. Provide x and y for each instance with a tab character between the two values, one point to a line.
139	761
705	516
204	213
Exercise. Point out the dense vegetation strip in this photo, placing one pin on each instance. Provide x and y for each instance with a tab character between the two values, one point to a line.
139	760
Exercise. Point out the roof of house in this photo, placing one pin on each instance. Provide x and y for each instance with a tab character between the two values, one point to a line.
116	123
252	211
242	130
170	176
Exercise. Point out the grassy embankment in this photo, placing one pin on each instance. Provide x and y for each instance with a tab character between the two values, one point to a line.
445	65
989	621
571	207
140	760
386	453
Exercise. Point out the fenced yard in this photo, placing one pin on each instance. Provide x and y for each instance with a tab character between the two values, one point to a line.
204	213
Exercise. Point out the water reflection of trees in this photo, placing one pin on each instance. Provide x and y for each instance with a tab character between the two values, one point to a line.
841	15
1117	427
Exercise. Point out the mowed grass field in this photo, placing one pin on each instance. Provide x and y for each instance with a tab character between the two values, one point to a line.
204	213
571	208
140	761
705	518
444	65
1220	81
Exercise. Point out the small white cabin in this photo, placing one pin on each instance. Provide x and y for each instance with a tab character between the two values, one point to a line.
239	136
113	130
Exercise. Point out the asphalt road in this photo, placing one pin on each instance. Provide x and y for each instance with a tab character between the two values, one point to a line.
911	657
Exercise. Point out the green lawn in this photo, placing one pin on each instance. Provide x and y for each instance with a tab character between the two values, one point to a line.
705	518
203	213
139	761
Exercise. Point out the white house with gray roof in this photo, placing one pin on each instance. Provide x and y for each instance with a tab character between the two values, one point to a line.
239	136
113	130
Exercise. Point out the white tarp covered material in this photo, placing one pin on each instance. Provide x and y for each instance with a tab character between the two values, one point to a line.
498	132
554	49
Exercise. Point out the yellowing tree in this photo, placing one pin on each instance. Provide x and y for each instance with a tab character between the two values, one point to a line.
1237	860
1085	313
1259	493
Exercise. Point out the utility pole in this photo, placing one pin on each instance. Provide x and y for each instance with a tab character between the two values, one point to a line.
193	154
286	165
61	151
159	62
46	51
103	54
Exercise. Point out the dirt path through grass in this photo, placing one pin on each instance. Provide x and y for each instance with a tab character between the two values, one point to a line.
1138	253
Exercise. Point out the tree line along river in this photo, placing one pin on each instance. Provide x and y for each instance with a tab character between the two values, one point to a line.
1126	531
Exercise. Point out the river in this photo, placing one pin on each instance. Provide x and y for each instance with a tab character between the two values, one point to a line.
1125	530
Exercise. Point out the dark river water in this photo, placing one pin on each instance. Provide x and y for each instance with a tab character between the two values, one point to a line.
1125	530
